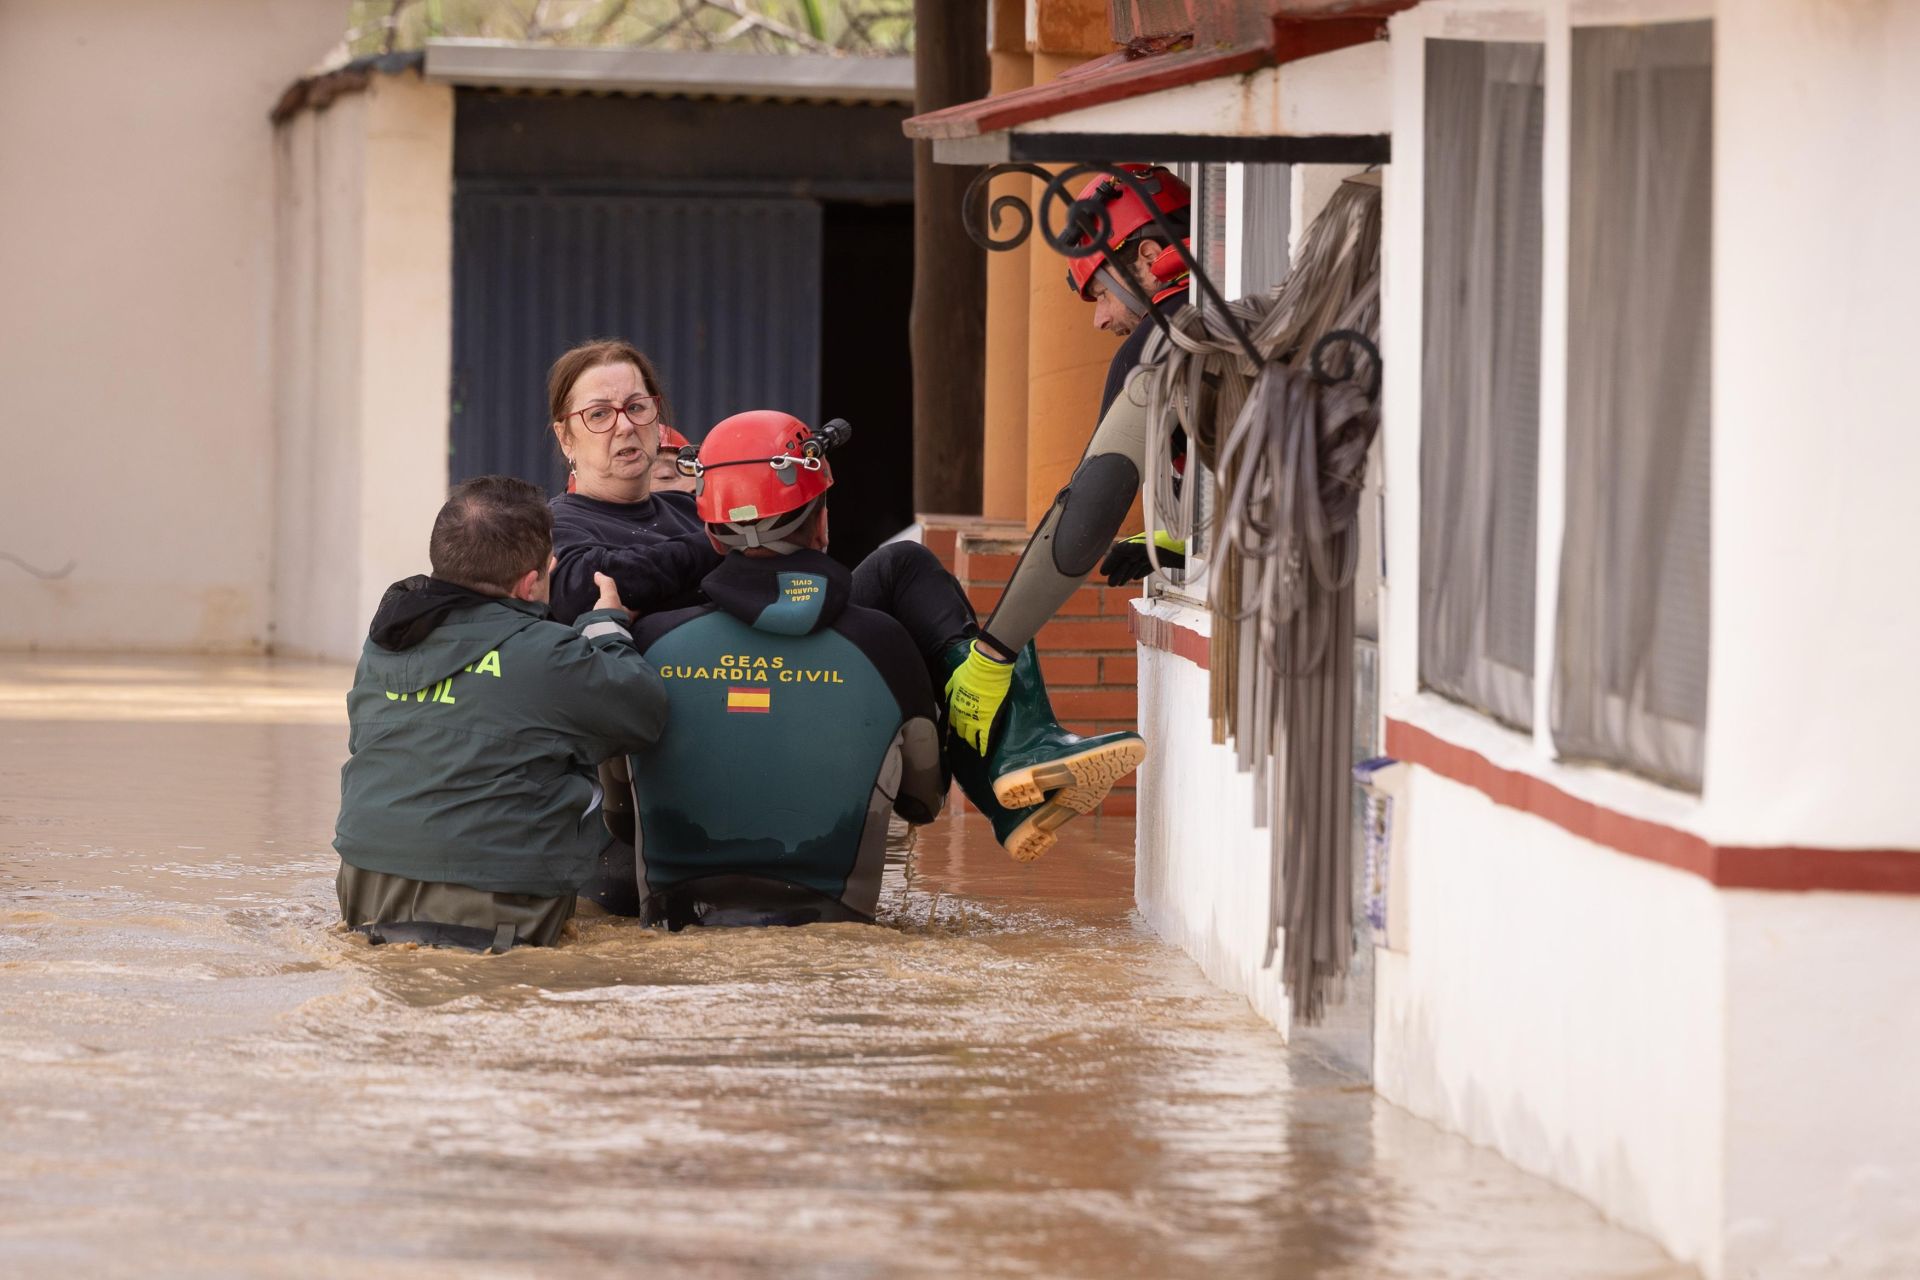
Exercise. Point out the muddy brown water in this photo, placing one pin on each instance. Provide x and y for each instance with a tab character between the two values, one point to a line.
1010	1076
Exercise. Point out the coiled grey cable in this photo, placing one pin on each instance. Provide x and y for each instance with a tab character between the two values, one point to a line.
1288	452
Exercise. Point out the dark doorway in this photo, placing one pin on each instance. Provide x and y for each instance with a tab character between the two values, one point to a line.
721	294
760	252
866	370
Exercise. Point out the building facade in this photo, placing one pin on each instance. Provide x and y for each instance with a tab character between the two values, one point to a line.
449	223
138	199
1651	900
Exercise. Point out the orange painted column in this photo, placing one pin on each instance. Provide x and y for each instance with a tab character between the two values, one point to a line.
1004	460
1067	357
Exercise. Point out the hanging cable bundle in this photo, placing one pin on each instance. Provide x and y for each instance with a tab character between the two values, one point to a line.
1287	441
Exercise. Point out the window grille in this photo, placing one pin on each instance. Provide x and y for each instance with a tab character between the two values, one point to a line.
1480	389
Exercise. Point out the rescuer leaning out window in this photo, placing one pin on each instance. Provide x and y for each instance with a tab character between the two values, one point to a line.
816	684
469	811
1139	273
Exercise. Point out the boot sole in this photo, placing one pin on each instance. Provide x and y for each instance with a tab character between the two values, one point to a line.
1038	833
1080	781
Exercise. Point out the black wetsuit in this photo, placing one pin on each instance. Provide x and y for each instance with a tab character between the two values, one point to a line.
1125	359
798	721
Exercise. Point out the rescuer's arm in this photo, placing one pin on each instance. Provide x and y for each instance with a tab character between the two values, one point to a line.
600	691
1079	527
923	773
651	576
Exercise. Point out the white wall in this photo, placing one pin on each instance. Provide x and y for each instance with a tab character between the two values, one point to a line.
1816	537
364	342
317	493
1201	869
1561	1004
1759	1048
1823	1094
136	260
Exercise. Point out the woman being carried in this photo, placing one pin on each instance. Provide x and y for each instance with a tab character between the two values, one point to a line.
608	415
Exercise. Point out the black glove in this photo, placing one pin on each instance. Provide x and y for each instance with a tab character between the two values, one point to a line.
1127	559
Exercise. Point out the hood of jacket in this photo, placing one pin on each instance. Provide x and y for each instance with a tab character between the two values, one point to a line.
426	629
790	595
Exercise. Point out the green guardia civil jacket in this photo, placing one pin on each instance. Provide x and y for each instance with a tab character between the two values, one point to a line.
475	724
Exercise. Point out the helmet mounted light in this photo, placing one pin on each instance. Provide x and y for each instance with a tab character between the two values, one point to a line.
812	455
759	475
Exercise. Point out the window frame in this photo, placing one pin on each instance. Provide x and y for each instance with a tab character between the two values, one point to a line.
1503	687
1532	753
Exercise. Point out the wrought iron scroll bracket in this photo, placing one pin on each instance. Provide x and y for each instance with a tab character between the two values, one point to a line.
1086	228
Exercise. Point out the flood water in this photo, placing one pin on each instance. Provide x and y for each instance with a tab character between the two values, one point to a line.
1010	1077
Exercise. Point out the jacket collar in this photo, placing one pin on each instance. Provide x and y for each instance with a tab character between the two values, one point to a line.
793	595
413	608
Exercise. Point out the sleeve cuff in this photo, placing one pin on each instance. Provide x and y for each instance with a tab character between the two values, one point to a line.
604	622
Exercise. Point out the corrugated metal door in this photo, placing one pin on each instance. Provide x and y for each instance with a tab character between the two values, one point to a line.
722	292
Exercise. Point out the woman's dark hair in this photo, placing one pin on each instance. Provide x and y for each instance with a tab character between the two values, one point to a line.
491	531
591	355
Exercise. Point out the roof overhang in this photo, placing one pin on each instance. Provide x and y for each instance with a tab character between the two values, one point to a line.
1315	91
800	77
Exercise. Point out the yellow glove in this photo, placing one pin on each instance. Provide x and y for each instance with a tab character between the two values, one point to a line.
975	691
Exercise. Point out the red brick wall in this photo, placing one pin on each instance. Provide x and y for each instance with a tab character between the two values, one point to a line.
1086	652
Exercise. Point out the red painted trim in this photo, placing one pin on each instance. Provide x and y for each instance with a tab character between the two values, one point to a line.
1120	76
1214	20
1780	868
1153	632
1112	79
1294	39
1786	868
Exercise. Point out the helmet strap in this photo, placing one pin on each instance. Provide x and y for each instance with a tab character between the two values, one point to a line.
774	534
1110	275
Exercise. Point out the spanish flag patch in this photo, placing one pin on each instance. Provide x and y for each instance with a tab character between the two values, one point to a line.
747	698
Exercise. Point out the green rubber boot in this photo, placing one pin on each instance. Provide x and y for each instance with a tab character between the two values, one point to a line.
1026	831
1033	756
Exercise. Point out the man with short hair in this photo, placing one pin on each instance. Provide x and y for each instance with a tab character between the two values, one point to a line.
469	810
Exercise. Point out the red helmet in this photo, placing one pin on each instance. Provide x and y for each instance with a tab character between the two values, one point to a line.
671	439
756	466
1128	213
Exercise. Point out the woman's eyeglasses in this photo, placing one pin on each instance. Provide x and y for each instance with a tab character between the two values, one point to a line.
641	411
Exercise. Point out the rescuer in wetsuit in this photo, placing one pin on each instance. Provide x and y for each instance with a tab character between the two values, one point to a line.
781	679
1086	515
801	720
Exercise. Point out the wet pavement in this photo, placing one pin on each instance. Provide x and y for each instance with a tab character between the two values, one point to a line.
1012	1077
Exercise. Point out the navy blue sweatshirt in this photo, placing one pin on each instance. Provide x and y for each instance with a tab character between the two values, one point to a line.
655	550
